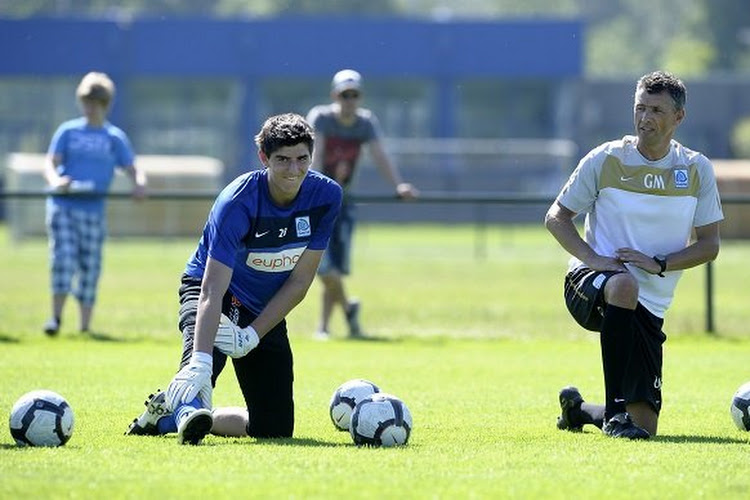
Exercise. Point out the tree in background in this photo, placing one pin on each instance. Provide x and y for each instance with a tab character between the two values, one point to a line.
642	35
729	24
741	138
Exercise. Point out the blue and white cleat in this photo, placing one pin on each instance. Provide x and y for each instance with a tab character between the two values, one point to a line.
193	422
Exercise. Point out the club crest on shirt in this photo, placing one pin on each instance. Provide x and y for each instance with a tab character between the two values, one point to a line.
599	280
681	178
302	225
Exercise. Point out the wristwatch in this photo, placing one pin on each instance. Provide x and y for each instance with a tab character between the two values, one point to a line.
662	261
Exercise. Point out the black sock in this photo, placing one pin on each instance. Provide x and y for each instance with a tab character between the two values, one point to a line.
590	413
587	413
616	345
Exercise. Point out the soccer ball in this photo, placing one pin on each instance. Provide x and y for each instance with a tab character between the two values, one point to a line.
739	408
381	420
345	398
41	418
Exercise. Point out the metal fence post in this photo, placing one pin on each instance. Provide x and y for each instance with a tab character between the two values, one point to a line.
710	297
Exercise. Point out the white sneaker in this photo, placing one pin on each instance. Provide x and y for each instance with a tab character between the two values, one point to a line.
51	327
321	335
193	424
145	424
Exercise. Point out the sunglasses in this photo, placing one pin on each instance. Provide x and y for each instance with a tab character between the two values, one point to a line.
349	94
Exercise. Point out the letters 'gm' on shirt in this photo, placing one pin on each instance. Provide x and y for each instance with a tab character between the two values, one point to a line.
651	206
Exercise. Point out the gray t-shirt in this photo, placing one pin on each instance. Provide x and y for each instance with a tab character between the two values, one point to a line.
342	143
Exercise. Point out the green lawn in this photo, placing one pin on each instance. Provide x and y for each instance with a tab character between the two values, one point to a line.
476	347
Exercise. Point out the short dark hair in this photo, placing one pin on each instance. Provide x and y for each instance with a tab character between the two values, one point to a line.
288	129
660	81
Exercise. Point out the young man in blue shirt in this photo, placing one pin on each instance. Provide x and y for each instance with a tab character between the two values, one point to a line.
255	262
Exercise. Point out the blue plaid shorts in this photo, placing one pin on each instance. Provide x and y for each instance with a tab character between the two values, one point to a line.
76	238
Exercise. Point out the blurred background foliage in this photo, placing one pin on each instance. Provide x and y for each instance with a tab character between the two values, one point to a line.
741	138
694	38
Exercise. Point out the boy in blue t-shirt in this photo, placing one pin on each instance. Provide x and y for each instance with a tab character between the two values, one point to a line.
79	168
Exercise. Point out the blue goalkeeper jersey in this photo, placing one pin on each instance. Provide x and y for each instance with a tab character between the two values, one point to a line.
261	241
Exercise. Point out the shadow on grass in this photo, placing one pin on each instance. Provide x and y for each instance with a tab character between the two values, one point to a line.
698	439
296	442
364	338
76	337
9	446
308	442
371	338
106	337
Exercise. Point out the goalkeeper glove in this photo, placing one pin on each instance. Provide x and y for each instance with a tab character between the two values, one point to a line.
193	380
234	341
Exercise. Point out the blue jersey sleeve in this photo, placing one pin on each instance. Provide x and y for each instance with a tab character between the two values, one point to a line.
228	225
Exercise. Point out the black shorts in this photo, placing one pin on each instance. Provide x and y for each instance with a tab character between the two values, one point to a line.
265	374
584	297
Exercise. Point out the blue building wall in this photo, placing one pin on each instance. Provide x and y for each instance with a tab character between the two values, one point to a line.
292	47
252	51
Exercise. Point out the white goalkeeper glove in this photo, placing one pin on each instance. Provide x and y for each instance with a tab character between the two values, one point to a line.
234	341
193	380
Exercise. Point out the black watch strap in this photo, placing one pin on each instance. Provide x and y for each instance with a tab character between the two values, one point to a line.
662	261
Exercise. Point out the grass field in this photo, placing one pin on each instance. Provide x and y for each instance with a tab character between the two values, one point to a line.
476	347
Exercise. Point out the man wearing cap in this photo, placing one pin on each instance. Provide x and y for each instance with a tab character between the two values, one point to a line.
341	128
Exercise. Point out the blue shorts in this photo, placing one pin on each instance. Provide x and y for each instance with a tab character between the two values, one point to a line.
337	256
76	238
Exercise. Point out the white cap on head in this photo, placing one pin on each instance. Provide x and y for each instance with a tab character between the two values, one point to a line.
346	79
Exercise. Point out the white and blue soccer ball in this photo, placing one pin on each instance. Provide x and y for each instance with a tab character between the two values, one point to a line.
41	418
345	399
381	419
740	407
